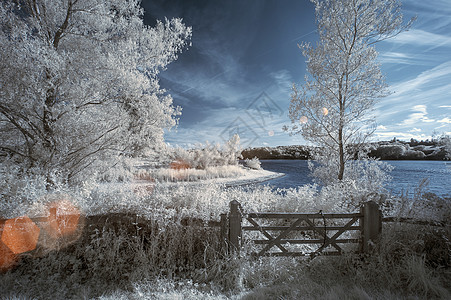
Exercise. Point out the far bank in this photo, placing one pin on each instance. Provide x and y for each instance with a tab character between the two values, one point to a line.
384	150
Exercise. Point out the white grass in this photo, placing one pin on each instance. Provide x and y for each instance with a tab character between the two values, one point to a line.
412	262
230	175
404	267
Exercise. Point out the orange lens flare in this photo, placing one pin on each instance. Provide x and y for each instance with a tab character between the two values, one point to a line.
178	168
63	219
7	258
303	120
180	165
20	234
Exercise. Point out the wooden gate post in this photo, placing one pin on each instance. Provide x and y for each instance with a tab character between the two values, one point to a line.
372	224
234	226
224	233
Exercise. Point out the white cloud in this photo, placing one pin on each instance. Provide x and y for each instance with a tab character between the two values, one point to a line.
420	108
418	37
445	106
282	78
381	127
419	116
441	126
440	72
432	15
388	135
445	120
396	58
415	130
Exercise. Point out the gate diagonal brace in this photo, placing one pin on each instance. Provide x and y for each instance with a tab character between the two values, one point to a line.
327	239
265	233
283	234
331	240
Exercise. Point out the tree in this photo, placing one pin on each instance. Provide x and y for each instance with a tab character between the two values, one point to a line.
79	82
332	109
445	141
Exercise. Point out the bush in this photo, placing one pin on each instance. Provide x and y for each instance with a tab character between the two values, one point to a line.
114	251
253	163
204	156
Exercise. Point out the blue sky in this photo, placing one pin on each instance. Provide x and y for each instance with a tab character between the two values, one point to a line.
236	76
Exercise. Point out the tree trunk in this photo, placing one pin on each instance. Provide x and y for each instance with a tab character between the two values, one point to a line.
341	169
48	119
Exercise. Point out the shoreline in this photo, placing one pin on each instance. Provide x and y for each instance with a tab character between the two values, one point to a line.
385	159
252	177
384	150
262	178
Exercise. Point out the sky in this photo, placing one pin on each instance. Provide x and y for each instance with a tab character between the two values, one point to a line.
236	77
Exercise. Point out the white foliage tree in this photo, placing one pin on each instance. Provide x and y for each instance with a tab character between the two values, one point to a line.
79	82
332	109
445	141
208	155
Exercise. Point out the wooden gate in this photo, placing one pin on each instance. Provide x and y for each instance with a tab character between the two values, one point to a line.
286	234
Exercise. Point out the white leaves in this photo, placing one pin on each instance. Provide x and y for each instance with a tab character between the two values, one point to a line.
345	79
98	84
253	163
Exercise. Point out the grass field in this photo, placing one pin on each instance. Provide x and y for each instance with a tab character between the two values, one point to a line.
161	248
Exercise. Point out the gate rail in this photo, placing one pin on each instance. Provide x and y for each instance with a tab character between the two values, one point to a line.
367	222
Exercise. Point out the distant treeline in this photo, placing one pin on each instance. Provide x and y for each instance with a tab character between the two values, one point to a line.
385	150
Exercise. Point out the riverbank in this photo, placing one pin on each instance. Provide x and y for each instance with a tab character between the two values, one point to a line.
384	150
229	175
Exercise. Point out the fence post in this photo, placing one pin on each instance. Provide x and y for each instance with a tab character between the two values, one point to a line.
372	224
223	233
234	226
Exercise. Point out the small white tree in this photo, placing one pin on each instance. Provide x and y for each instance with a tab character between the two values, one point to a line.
445	141
232	150
79	82
253	163
332	109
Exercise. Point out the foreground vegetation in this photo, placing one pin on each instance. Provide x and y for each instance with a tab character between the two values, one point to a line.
92	105
159	246
413	263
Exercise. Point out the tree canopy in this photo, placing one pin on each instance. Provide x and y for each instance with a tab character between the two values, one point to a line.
332	109
79	82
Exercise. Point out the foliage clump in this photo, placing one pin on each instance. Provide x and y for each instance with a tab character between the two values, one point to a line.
80	85
333	108
253	163
204	156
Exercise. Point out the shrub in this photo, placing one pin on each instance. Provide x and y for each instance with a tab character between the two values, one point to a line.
114	251
204	156
253	163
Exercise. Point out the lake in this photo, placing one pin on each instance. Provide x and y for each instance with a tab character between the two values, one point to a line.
406	175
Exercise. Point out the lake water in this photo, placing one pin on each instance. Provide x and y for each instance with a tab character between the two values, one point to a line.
406	175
